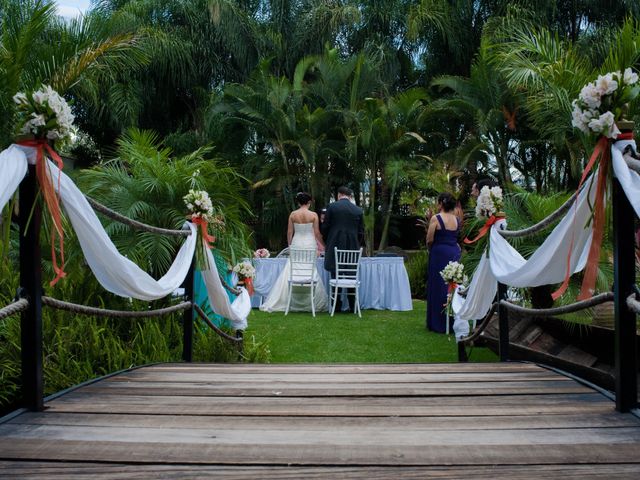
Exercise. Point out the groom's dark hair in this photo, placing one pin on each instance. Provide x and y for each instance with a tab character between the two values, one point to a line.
345	191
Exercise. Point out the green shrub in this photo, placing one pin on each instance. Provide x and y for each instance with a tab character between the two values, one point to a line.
417	270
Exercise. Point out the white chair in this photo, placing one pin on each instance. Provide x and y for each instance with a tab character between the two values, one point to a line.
302	273
347	269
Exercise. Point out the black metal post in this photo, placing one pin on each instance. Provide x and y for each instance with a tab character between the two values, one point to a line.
187	338
29	219
503	324
624	280
462	353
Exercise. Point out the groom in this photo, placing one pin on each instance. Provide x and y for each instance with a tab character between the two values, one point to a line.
343	227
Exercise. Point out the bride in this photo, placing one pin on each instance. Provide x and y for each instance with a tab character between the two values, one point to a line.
303	232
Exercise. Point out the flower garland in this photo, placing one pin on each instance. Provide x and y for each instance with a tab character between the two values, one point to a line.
261	253
453	275
489	207
597	110
246	272
44	116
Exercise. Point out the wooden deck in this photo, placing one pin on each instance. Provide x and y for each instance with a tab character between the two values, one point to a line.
480	421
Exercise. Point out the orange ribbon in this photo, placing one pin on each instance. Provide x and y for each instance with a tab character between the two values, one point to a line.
485	228
452	287
602	149
248	283
204	226
51	200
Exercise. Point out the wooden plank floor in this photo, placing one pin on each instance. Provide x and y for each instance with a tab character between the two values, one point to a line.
484	421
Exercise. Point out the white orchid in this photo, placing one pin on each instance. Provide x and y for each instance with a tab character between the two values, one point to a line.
44	114
489	202
593	110
629	77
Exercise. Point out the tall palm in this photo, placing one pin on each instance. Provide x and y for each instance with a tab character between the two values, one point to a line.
486	107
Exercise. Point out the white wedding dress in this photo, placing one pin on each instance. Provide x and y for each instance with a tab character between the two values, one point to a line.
276	301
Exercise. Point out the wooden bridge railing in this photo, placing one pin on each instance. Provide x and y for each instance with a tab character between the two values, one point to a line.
30	299
624	289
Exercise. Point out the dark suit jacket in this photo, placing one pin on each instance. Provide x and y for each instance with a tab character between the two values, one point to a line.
343	227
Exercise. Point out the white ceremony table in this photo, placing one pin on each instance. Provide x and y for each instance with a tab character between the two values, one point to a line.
384	281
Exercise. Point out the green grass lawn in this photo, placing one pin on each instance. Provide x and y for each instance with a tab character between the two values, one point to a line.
380	336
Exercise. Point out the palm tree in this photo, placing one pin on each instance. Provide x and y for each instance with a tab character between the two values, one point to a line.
487	108
146	183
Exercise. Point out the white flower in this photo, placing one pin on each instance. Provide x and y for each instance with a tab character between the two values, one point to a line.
38	120
630	77
20	98
605	84
590	95
605	124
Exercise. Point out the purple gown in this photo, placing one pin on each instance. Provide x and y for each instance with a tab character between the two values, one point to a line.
444	249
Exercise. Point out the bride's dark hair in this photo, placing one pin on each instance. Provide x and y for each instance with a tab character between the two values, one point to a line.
303	198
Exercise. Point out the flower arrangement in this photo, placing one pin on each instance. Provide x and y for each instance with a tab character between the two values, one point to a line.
199	205
43	114
453	275
603	102
261	253
244	270
453	272
490	202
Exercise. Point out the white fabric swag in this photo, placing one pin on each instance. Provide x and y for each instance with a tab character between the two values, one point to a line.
115	272
236	311
629	179
548	264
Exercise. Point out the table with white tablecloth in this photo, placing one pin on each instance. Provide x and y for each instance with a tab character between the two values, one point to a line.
384	283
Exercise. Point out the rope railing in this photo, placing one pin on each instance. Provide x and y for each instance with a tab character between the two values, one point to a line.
483	325
234	290
13	308
103	312
542	224
574	307
134	223
211	325
151	229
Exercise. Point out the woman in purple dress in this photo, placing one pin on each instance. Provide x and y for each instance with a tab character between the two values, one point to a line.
442	242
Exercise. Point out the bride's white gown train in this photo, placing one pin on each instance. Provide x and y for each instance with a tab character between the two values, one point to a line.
276	301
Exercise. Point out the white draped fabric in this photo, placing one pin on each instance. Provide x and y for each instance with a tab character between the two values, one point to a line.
13	168
629	179
115	272
238	311
548	264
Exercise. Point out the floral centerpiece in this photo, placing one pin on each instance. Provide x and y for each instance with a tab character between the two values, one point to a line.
246	272
44	117
453	275
599	111
261	253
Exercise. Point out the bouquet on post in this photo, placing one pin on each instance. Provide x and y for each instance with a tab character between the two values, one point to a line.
246	272
44	117
200	211
453	275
